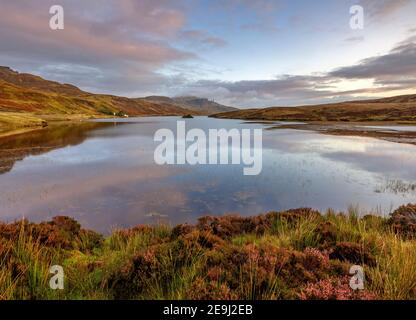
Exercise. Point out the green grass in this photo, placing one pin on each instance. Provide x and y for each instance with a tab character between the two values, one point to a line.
14	120
199	262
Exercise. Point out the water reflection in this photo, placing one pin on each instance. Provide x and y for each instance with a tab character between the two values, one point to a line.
15	148
394	128
105	176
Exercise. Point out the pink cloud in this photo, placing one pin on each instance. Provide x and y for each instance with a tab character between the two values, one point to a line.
79	34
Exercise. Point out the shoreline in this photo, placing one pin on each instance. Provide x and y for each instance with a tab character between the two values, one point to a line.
48	121
341	128
45	121
365	129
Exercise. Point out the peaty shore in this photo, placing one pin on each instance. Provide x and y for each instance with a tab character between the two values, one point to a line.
294	254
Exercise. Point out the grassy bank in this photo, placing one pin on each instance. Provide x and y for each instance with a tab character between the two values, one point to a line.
15	122
296	254
27	100
12	123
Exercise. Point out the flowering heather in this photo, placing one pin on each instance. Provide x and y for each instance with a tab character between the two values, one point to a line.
334	289
295	254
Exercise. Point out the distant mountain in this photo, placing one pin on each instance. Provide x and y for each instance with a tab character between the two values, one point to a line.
203	105
22	92
197	105
398	108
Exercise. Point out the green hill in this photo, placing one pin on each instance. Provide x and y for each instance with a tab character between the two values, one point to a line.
21	92
27	100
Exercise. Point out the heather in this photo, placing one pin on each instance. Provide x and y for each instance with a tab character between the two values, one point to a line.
295	254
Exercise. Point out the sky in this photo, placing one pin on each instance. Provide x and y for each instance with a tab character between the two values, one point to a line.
243	53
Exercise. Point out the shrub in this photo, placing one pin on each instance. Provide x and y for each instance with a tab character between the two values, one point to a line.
204	239
280	255
327	233
209	290
60	232
266	271
403	220
229	226
333	289
181	230
293	216
90	240
131	279
66	224
352	252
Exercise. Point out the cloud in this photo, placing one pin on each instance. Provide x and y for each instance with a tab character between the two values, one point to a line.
379	9
397	67
203	38
355	39
395	70
283	90
106	45
144	47
262	13
261	7
105	36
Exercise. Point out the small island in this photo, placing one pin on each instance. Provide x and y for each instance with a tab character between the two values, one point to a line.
187	116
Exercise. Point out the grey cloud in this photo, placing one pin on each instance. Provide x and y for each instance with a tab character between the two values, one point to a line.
355	39
106	45
200	37
284	90
383	8
120	47
393	71
396	67
264	13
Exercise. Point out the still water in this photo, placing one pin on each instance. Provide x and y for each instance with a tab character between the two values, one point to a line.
104	175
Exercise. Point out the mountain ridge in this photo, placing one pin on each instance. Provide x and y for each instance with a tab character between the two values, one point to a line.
23	92
36	94
28	100
396	108
196	104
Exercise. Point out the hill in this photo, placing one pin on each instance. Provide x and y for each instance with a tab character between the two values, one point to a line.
29	101
21	92
203	105
399	108
195	104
